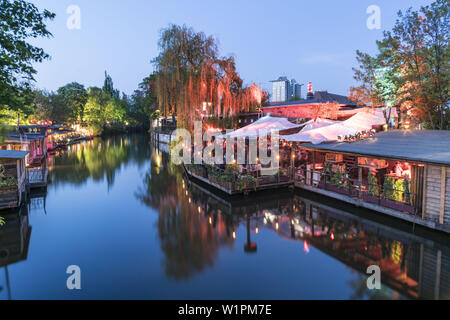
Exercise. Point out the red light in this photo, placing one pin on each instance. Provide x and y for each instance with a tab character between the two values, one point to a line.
332	236
305	246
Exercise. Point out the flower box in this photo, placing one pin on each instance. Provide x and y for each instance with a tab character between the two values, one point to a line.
267	180
402	207
370	198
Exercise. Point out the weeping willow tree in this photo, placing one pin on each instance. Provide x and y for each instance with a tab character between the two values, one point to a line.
191	78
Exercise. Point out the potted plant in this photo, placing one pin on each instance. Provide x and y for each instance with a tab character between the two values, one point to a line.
247	182
374	190
7	184
395	194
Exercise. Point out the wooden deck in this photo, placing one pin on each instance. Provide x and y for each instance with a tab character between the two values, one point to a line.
37	178
414	219
233	191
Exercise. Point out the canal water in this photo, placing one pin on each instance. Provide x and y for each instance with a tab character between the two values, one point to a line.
138	229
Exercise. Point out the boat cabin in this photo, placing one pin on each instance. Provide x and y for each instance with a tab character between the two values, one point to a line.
13	178
34	143
401	173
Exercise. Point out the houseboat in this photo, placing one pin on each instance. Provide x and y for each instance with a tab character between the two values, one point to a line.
34	143
405	174
13	178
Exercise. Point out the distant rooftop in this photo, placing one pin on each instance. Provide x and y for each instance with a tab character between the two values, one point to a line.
24	136
12	154
319	97
428	146
280	79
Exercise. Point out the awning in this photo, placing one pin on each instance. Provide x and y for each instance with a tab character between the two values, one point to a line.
359	122
318	123
263	126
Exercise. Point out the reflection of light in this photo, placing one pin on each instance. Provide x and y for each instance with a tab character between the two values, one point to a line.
332	236
276	225
305	246
199	209
265	221
189	200
186	192
210	220
234	235
256	230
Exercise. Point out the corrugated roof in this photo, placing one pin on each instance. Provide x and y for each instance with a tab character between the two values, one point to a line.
13	154
23	137
428	146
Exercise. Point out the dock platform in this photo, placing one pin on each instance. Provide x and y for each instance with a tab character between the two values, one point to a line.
37	178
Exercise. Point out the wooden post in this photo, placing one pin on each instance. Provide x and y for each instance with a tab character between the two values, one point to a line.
443	187
360	182
424	201
313	168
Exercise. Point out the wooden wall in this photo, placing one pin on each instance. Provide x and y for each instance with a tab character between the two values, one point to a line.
437	194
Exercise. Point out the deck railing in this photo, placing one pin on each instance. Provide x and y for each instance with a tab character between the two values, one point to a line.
233	181
37	177
389	197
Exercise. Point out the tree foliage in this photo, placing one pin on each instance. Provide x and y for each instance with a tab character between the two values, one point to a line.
411	67
19	21
192	79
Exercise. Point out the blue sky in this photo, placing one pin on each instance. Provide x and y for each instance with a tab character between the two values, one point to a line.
306	40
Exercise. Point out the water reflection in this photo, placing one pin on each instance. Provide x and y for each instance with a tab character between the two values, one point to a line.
183	240
14	241
194	222
190	230
97	159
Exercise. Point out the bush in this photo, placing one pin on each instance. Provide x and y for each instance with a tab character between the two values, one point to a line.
374	189
8	182
248	181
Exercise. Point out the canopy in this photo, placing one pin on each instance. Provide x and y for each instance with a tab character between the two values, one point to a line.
318	123
359	122
262	126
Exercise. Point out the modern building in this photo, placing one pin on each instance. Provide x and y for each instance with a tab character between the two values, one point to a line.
285	90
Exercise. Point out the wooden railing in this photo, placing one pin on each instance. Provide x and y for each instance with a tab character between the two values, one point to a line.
235	182
359	190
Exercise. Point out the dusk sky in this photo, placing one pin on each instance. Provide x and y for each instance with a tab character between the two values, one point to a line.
306	40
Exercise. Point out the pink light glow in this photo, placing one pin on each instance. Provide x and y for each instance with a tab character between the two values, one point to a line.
305	246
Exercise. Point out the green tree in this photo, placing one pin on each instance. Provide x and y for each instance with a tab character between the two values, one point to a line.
75	97
143	102
19	21
94	112
42	105
412	65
